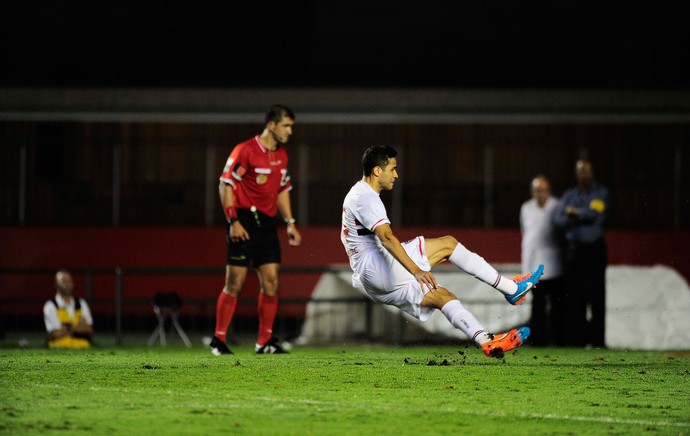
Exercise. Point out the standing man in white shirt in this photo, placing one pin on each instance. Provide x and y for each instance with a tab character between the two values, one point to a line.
399	274
541	245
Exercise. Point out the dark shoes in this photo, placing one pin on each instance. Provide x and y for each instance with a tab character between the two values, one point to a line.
270	347
219	348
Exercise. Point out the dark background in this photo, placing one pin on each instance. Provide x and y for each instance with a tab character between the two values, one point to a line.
371	44
479	167
76	185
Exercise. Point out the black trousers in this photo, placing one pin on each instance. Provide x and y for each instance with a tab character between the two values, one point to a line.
547	319
585	266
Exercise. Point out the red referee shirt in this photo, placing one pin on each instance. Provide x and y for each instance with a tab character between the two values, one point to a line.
257	175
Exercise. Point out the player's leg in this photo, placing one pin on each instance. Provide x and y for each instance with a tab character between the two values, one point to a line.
448	248
268	307
456	313
235	276
267	257
439	249
464	320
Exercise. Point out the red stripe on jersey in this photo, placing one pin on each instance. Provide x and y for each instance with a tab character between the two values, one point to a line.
377	223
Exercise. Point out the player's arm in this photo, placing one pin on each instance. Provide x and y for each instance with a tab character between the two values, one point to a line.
395	248
237	232
285	209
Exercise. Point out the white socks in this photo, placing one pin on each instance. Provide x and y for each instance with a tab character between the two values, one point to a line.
462	319
474	264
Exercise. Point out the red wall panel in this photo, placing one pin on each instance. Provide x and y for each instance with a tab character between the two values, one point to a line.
48	249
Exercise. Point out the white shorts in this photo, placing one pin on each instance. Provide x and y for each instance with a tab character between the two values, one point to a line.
388	282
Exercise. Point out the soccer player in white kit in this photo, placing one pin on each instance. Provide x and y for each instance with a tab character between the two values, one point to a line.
399	274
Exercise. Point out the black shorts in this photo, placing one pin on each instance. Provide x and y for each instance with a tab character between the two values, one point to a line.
263	245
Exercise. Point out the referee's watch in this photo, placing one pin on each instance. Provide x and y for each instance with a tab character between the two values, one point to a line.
232	220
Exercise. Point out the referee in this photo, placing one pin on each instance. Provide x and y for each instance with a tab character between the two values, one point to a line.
254	187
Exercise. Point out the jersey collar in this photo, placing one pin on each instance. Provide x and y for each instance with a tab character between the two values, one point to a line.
261	146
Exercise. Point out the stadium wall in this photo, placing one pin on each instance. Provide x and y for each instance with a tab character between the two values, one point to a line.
31	255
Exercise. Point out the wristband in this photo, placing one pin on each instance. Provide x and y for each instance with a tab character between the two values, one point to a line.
230	213
232	220
290	221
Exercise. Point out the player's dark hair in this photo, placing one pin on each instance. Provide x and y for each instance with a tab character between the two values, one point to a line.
277	112
376	156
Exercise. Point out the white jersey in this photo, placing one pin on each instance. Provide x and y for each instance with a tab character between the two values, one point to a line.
373	267
363	211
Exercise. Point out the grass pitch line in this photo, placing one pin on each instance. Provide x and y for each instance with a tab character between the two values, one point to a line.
605	420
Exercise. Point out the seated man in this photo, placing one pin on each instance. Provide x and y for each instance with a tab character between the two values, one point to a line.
68	320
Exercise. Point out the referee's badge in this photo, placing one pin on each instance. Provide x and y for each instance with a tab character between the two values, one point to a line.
262	175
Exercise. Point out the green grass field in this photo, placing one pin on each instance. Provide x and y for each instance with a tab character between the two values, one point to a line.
343	390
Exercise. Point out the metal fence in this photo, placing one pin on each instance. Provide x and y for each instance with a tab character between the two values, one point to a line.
119	300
